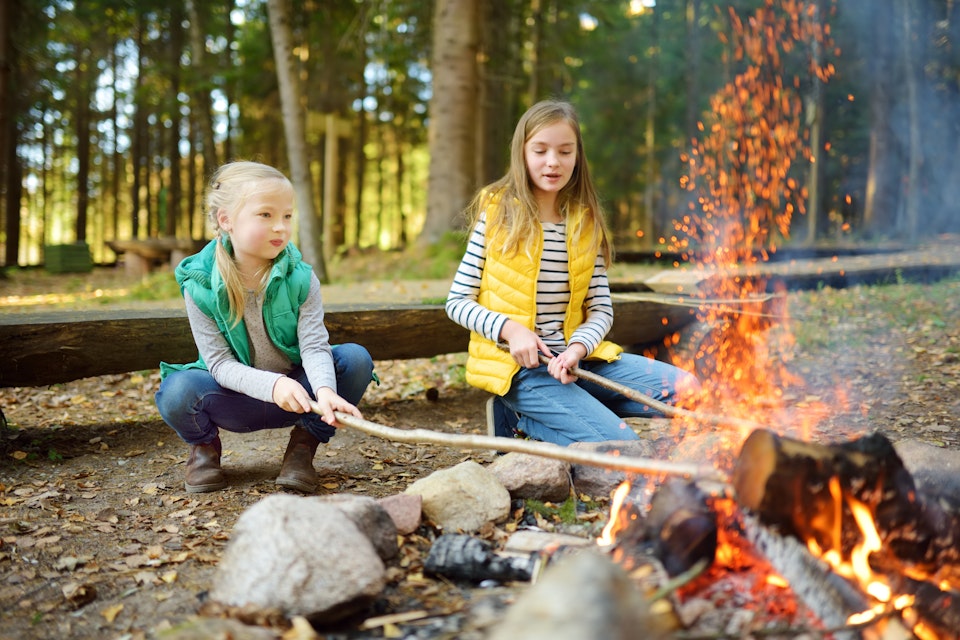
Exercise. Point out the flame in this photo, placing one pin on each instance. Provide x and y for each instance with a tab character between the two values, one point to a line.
856	567
614	524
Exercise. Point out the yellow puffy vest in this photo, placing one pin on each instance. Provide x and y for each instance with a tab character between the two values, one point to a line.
509	285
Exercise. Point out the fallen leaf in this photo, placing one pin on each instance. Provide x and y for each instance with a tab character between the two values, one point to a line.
110	613
79	595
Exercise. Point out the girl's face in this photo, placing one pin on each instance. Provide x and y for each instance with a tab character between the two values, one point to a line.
551	156
260	229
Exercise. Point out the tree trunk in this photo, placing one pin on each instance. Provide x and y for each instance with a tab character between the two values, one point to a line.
138	135
174	197
692	59
496	94
82	77
9	207
651	222
291	106
882	185
452	114
911	215
200	95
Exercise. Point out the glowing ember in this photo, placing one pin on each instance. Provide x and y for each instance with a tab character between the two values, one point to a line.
745	185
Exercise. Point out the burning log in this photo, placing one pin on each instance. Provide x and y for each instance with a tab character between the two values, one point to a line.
805	489
835	498
680	529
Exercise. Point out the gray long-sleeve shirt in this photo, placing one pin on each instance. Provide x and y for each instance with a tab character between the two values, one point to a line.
268	363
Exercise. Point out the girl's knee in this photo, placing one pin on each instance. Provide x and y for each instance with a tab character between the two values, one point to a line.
354	357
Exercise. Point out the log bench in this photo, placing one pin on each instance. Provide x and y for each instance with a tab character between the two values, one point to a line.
50	347
140	257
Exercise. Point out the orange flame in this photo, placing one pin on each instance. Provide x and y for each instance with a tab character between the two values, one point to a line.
614	524
857	568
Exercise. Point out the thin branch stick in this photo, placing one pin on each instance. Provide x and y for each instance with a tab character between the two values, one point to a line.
666	409
532	447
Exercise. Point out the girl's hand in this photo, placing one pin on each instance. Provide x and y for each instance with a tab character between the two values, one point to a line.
291	396
328	402
560	366
525	345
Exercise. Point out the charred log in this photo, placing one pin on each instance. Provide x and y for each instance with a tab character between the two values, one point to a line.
679	530
463	557
937	610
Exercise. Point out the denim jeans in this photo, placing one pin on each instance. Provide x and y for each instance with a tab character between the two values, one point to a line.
581	411
195	406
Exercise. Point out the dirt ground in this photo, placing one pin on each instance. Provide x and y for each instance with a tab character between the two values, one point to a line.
99	540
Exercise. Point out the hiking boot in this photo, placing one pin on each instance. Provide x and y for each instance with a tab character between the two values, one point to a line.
297	470
501	421
203	468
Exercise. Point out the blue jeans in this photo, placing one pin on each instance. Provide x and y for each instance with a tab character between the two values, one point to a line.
581	411
195	406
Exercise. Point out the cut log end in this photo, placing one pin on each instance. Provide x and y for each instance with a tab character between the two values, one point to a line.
755	465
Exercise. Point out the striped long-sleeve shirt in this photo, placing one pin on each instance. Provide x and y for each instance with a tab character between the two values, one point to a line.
553	293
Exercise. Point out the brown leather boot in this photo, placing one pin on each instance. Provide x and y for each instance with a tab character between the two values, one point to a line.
297	470
203	468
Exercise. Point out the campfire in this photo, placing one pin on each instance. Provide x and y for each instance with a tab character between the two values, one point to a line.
842	526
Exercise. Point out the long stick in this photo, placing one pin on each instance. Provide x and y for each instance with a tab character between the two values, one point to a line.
532	447
664	408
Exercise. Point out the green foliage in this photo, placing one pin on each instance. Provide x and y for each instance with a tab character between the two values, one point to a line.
160	285
437	261
874	309
565	513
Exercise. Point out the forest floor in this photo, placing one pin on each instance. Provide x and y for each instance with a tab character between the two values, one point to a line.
99	540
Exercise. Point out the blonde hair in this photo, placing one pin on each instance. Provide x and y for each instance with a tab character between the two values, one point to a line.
229	188
514	197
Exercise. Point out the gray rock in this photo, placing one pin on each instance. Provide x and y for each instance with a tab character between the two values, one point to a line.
535	477
598	482
462	498
301	556
935	471
371	518
583	595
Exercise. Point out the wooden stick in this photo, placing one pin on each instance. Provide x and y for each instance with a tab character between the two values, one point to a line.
532	447
664	408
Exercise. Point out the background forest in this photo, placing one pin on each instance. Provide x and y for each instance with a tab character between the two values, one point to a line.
750	122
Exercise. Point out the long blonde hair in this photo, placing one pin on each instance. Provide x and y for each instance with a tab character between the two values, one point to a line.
514	197
228	189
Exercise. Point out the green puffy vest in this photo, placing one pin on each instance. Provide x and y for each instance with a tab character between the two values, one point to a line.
287	289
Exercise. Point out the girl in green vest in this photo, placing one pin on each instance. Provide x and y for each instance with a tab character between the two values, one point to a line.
533	278
257	317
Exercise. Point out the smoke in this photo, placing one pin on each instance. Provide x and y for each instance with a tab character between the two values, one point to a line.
901	58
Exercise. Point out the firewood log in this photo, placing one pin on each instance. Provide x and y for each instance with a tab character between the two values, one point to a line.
679	530
806	489
470	559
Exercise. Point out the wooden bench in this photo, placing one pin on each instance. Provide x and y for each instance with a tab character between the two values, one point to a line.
140	257
49	347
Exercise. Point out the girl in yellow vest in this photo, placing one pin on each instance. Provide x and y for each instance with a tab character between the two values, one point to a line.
533	278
